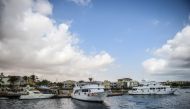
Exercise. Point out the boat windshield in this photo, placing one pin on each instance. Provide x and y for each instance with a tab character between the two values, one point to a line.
134	89
84	90
37	92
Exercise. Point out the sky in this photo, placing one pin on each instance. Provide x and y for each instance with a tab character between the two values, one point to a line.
105	39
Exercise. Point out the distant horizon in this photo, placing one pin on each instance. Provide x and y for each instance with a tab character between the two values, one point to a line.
107	40
87	79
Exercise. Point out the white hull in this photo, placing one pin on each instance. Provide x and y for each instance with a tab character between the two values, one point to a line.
99	97
89	91
151	93
151	88
36	96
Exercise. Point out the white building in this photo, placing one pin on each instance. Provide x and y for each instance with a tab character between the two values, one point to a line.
126	83
5	80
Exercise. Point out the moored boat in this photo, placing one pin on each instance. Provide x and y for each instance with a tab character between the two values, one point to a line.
35	94
151	87
89	91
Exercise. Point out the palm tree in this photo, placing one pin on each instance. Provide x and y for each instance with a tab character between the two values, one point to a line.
25	78
90	79
13	79
1	82
1	79
33	78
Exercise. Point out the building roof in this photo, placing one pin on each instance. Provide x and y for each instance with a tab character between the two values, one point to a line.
128	79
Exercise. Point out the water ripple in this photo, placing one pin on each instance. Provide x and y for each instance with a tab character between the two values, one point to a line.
179	101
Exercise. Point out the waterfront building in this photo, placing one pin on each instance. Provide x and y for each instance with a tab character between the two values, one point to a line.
126	83
4	80
68	84
107	84
114	85
12	80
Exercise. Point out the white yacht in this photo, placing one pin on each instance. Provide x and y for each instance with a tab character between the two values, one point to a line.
35	94
151	87
89	91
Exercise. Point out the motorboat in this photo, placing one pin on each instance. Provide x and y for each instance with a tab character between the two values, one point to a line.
89	91
151	87
35	94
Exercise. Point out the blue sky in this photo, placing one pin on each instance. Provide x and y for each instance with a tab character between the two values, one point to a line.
126	29
105	39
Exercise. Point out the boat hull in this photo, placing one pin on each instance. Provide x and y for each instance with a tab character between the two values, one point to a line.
151	93
99	97
39	96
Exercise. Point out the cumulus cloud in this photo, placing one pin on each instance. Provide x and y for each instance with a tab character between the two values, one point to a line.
43	7
173	57
81	2
30	41
153	63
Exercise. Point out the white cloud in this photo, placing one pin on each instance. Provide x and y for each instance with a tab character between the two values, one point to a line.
30	41
43	7
154	64
81	2
173	57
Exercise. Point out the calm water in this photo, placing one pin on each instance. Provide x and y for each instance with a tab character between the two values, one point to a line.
179	101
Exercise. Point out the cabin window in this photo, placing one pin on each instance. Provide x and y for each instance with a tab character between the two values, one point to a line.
134	89
37	92
84	90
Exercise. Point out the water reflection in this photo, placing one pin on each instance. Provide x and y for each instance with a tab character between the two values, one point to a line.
88	105
179	101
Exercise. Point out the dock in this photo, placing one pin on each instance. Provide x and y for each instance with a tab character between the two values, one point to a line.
115	94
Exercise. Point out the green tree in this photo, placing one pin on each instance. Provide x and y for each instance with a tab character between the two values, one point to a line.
90	79
13	79
33	78
1	82
1	79
43	83
25	78
60	84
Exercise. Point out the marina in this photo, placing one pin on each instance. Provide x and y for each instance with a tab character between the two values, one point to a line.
178	101
94	54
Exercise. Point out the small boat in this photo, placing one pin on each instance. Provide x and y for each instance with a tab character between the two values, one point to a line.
152	87
35	94
89	91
